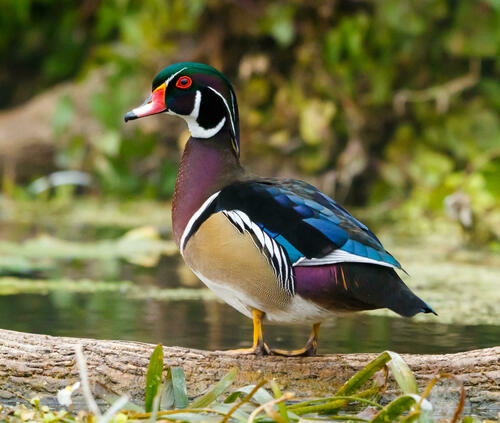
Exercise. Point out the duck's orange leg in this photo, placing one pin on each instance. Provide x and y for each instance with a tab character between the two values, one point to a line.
259	347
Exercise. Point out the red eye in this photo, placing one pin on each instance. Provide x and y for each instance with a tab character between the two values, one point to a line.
183	82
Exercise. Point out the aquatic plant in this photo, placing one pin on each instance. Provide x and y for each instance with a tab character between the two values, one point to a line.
360	399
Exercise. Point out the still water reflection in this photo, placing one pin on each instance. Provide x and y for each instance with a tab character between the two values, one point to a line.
214	325
197	323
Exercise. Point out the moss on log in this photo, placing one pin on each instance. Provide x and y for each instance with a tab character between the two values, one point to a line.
38	364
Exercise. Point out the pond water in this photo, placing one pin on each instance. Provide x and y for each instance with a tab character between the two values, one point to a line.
203	321
213	325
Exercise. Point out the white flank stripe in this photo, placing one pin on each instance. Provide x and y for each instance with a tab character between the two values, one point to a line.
195	217
236	217
285	261
275	254
258	233
245	218
269	243
340	256
278	255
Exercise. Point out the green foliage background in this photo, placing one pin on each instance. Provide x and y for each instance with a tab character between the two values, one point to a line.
391	103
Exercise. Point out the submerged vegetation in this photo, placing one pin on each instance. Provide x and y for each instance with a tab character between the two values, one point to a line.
360	399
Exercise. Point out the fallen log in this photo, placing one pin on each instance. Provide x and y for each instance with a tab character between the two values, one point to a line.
40	365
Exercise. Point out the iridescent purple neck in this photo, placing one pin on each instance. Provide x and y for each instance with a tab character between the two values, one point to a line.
206	167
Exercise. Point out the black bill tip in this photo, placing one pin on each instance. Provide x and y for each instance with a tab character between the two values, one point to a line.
130	116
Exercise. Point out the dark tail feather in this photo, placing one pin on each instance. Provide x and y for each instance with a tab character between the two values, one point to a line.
381	287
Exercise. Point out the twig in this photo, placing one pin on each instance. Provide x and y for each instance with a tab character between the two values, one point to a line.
441	94
111	411
84	378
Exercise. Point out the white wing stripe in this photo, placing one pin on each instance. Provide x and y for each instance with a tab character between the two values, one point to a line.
340	256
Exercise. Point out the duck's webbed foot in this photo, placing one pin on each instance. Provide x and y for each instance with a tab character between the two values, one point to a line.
260	350
310	349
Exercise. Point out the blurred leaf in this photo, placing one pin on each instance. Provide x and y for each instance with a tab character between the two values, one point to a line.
62	114
109	143
212	395
315	118
262	396
365	374
402	373
176	386
279	22
153	377
394	409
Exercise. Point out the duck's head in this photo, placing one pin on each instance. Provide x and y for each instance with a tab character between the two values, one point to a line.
199	94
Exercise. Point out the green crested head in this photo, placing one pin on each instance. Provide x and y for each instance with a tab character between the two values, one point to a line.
199	94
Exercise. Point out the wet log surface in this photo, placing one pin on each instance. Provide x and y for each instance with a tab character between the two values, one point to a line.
38	364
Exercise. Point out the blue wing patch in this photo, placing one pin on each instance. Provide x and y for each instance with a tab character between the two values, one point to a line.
304	221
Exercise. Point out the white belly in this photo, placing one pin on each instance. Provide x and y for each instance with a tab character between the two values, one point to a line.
298	310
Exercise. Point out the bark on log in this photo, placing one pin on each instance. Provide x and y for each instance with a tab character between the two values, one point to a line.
38	364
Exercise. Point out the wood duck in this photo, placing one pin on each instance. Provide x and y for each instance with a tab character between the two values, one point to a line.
275	249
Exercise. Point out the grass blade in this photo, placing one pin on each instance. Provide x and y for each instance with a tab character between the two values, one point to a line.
281	406
260	396
177	380
253	391
106	394
402	373
394	409
470	419
153	377
233	397
360	378
238	414
207	399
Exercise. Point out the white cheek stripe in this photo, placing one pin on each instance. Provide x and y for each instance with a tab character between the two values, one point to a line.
196	130
197	103
340	256
194	127
227	107
195	217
